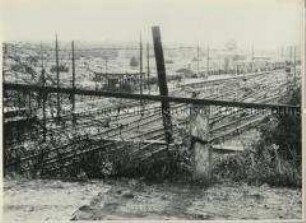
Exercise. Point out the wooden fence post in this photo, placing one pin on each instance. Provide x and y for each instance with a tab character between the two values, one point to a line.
199	124
162	82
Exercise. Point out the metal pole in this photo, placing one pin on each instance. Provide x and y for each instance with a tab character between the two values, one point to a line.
148	66
73	86
141	71
252	58
43	79
96	79
207	60
140	65
303	70
17	81
162	82
198	59
4	56
106	60
4	151
58	108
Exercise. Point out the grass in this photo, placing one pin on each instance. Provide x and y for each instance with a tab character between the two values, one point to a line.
258	165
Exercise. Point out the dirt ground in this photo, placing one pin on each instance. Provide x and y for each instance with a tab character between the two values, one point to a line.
57	201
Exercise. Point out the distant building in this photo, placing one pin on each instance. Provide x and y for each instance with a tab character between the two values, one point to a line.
134	62
185	72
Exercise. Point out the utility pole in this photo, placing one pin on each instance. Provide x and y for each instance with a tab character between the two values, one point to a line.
73	86
148	67
17	81
44	96
162	82
208	60
140	73
106	61
294	56
252	58
58	105
4	56
198	59
140	65
294	67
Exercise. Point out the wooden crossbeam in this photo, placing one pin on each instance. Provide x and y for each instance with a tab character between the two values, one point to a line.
90	92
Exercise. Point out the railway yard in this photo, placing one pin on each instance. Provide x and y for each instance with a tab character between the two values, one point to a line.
91	114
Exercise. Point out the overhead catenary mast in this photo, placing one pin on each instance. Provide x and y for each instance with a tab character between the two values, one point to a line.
141	72
140	65
58	108
252	58
198	59
73	86
148	66
207	61
44	96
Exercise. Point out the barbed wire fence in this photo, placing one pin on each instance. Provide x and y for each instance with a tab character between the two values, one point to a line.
105	117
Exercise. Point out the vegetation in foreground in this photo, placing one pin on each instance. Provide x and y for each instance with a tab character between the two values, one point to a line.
275	159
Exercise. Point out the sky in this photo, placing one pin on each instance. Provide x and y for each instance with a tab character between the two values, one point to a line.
264	23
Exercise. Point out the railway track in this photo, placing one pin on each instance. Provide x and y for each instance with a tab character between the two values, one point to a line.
224	122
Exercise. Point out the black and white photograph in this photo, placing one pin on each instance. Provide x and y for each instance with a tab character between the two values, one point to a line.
138	110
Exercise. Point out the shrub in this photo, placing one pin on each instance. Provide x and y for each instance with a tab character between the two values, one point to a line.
275	159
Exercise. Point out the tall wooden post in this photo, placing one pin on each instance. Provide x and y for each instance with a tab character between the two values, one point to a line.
252	59
58	105
4	150
162	82
198	59
140	65
96	79
4	57
44	96
140	73
207	60
294	59
106	61
73	86
148	66
303	70
17	81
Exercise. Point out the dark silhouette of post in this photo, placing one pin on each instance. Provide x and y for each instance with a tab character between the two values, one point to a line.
252	59
162	82
44	96
4	57
58	106
198	59
207	61
140	64
148	66
73	86
141	70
